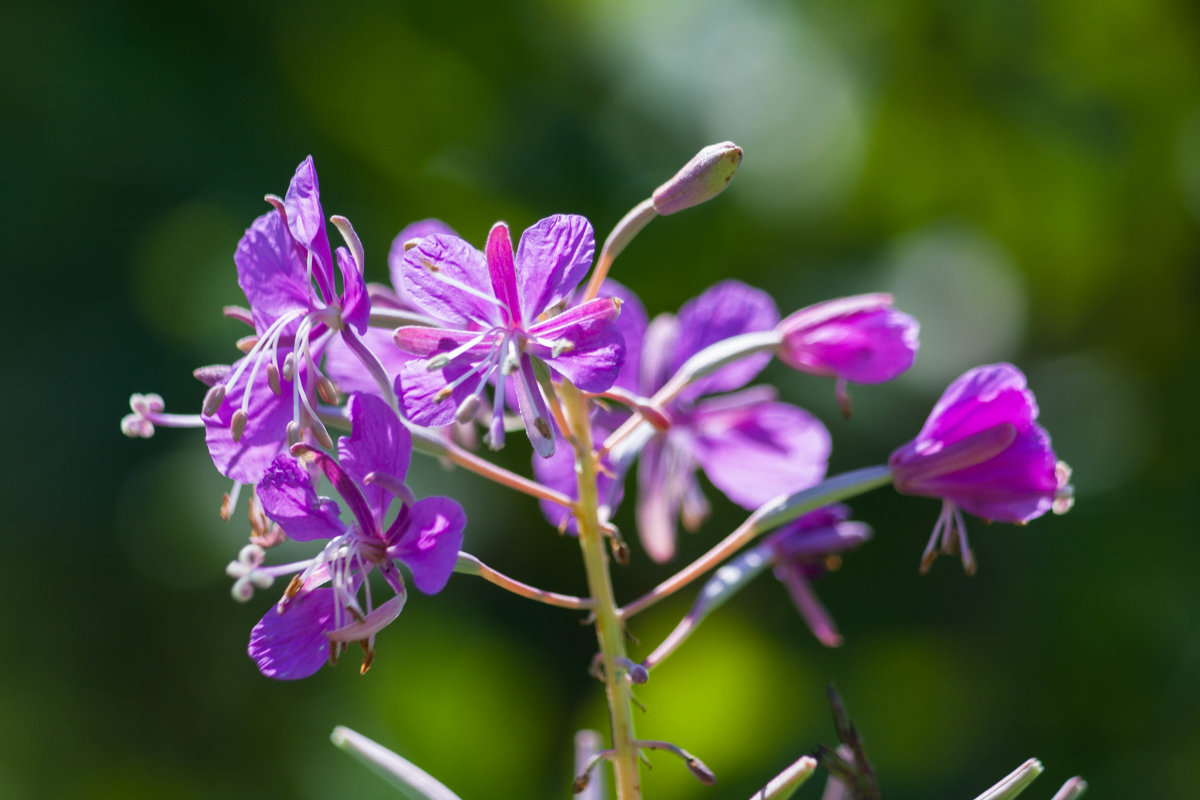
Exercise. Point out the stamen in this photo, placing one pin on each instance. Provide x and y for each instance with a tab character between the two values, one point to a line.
237	425
436	272
247	343
213	399
273	379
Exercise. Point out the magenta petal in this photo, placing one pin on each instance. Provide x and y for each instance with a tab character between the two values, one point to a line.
293	645
863	345
271	274
378	442
981	398
727	309
503	271
306	221
534	413
1016	486
287	496
758	452
553	257
356	306
423	341
430	542
417	230
447	278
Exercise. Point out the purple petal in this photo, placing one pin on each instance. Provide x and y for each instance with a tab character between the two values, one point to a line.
265	434
293	645
860	339
430	542
534	413
658	501
378	442
727	309
981	398
356	306
632	325
558	472
423	341
287	496
447	278
760	451
594	357
347	372
552	259
270	272
306	221
417	230
422	396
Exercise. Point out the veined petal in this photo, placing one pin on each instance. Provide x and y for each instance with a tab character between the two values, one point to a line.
594	359
447	278
356	306
306	221
293	645
430	542
415	231
288	497
378	442
727	309
552	259
534	413
422	395
757	452
271	274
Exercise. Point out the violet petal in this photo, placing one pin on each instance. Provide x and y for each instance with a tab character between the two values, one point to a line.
288	498
292	645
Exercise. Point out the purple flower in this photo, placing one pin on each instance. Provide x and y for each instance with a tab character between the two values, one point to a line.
286	270
982	451
321	612
750	446
807	548
860	339
499	319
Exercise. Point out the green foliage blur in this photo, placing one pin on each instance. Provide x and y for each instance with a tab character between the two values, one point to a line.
1024	176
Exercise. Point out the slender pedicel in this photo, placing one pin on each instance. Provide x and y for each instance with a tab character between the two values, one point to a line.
470	565
766	518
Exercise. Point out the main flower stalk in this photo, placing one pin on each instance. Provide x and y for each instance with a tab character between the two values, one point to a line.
610	631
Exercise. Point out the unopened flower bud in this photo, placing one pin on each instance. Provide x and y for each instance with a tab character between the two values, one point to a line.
700	180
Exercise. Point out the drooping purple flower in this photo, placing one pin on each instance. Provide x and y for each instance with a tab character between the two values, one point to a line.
286	270
498	320
329	604
807	548
982	451
860	339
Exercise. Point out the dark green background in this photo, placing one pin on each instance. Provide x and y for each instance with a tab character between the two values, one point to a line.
1024	175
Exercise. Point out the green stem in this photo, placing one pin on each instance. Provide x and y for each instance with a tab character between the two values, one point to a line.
610	631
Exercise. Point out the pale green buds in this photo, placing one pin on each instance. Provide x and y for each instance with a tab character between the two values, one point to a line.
700	180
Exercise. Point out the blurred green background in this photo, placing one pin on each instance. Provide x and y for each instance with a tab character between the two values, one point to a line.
1024	176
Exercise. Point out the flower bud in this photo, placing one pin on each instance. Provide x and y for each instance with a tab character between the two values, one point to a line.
700	180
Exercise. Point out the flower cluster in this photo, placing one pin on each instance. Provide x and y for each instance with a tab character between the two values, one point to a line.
467	344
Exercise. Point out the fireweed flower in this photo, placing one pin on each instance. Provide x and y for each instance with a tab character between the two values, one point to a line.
750	446
314	622
286	270
982	451
497	321
859	339
807	548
